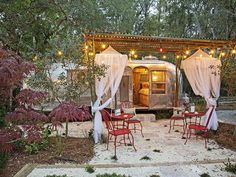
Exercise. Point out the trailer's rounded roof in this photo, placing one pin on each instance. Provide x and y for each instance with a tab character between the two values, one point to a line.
151	63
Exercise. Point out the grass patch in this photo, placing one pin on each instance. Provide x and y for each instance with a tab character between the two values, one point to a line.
111	175
229	167
209	149
156	150
205	175
145	158
89	168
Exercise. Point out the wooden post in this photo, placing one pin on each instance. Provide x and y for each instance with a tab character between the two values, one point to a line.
177	83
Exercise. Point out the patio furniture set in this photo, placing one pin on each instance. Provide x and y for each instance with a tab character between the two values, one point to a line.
122	125
192	121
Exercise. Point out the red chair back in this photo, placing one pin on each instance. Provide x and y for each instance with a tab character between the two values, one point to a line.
210	115
126	104
107	118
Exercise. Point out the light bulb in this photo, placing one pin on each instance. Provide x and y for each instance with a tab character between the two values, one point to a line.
132	52
59	53
103	46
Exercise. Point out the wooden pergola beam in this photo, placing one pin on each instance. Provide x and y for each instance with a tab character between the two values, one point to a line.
125	43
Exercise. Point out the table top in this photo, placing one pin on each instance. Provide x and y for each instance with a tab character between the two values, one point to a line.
122	116
194	114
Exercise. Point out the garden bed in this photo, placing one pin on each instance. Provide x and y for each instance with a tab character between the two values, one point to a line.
224	136
76	150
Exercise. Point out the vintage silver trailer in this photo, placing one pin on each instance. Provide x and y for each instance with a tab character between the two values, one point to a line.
149	84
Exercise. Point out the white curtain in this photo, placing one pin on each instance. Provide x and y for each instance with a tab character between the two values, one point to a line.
116	63
202	72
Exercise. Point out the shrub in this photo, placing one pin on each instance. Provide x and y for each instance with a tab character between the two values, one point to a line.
230	167
156	150
69	111
30	132
56	176
145	158
2	115
9	138
3	159
111	175
205	175
89	168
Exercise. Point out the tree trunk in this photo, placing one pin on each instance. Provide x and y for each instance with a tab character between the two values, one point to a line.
10	98
67	122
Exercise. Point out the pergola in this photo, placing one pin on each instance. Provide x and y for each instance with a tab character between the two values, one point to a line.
126	42
181	47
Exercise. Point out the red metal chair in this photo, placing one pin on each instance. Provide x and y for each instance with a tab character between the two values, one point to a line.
113	131
198	127
177	118
134	121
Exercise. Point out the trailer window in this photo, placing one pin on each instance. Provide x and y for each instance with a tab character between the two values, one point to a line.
158	82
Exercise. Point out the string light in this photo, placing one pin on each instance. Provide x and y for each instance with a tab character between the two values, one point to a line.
132	52
161	49
35	58
59	53
223	54
164	57
103	46
212	51
185	56
135	56
177	56
233	51
90	53
187	52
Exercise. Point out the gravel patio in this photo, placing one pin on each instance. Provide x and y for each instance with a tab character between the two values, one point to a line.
165	154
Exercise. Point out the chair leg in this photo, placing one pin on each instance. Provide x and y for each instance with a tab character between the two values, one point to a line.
190	133
174	125
183	126
141	126
124	140
170	125
115	146
132	140
108	139
206	138
187	136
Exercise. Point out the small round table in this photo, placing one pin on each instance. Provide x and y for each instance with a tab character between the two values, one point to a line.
122	117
